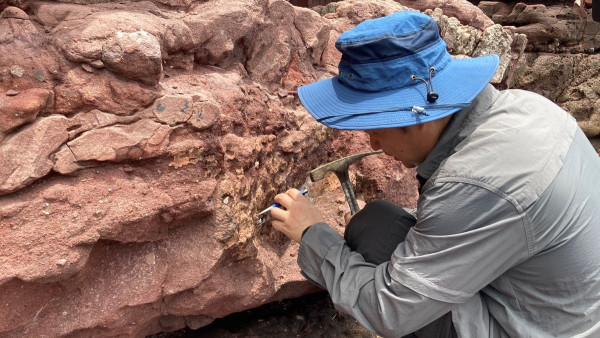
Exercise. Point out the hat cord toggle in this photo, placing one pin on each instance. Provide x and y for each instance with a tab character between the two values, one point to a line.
432	96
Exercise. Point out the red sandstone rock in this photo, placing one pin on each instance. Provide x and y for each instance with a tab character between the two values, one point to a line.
22	108
204	115
173	109
26	156
32	62
140	140
83	91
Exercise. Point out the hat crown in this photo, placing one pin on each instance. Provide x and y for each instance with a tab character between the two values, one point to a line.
383	54
384	79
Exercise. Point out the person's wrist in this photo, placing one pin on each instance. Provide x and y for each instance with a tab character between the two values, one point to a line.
304	232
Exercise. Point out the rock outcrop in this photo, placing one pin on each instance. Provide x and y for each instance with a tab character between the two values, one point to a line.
138	141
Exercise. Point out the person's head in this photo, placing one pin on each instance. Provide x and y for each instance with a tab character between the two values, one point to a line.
409	145
395	72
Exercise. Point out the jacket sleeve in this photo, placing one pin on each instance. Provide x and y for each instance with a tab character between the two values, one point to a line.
362	289
464	238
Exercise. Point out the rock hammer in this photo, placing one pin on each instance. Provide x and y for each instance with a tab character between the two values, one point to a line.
340	169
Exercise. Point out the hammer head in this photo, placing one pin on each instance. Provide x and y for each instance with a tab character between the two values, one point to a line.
338	166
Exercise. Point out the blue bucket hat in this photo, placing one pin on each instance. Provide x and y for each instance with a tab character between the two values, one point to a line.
395	71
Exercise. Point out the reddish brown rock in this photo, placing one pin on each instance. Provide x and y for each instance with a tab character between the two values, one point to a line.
26	155
133	282
140	140
314	32
131	45
356	11
204	115
238	149
219	27
344	15
176	3
83	91
23	107
276	43
119	206
173	109
33	61
230	32
95	119
155	189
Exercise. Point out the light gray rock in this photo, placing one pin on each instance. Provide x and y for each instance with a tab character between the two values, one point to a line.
135	55
496	40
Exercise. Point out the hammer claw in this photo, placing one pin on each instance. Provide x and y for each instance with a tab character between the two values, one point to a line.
340	168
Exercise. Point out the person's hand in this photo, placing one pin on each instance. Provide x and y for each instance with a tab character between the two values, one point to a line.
299	214
348	215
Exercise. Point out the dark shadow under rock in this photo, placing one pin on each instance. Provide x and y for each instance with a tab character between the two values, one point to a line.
309	316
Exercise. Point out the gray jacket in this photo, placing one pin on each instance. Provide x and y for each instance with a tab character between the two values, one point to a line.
507	234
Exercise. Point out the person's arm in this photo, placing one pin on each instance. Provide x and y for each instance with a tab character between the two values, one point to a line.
364	290
465	237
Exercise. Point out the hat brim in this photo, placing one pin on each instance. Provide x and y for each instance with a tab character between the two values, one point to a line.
341	107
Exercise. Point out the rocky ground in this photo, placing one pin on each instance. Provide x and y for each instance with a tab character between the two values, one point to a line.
309	316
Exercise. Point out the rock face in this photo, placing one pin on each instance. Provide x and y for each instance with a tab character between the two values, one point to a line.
138	141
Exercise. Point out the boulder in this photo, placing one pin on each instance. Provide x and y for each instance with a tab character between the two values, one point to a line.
22	107
35	64
26	156
135	55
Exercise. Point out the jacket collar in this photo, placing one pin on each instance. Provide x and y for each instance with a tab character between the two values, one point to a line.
452	135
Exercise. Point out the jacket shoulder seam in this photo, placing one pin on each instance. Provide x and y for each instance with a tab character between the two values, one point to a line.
497	191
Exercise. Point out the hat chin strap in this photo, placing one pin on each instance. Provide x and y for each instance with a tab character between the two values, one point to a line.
415	109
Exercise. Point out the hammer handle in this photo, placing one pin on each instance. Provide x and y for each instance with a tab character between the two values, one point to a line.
348	191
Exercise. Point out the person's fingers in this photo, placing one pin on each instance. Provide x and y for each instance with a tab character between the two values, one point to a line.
347	217
284	199
281	227
295	194
279	214
277	225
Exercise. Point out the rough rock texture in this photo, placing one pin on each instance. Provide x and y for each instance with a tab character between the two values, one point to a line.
138	140
138	143
462	10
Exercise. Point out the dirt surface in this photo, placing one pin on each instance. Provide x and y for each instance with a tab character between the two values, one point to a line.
309	316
